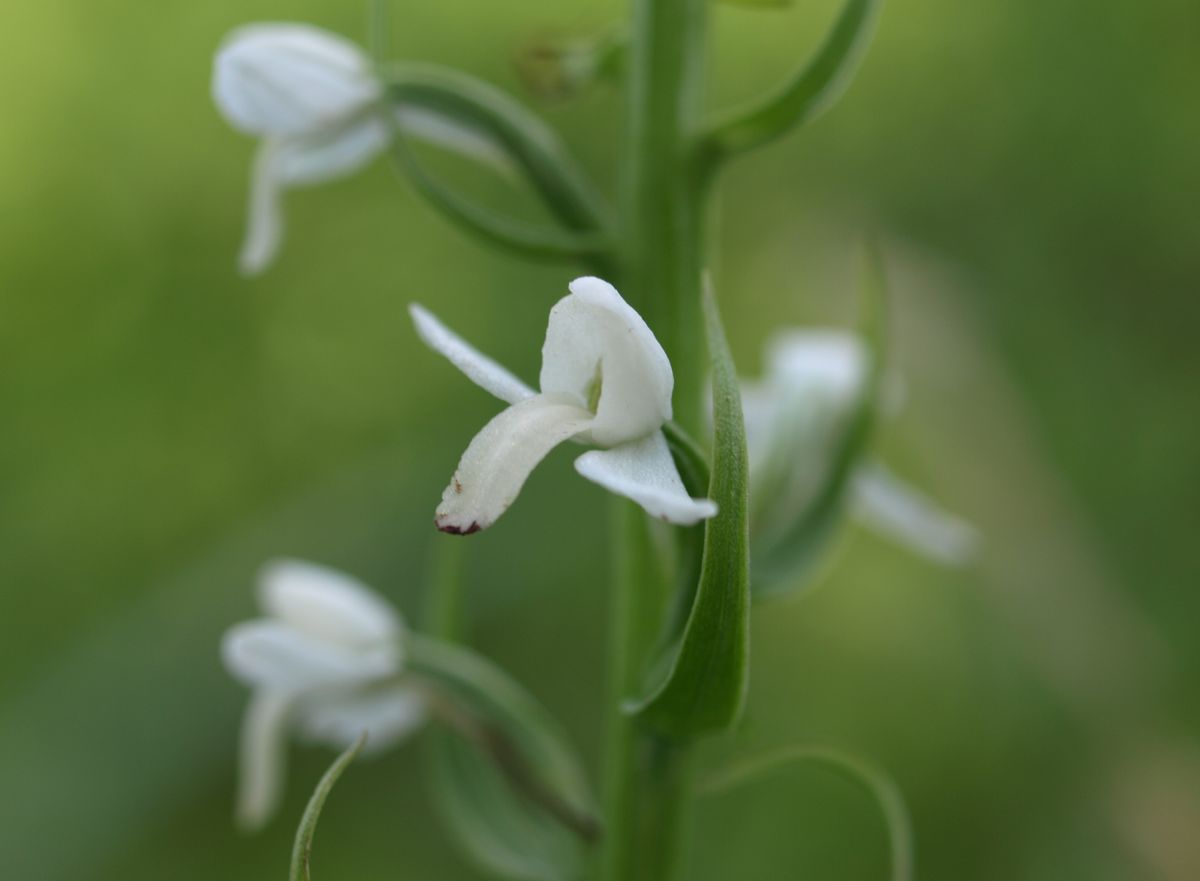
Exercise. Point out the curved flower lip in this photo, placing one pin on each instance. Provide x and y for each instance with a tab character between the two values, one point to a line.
604	380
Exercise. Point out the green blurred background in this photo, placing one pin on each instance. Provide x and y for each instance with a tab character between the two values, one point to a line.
1032	169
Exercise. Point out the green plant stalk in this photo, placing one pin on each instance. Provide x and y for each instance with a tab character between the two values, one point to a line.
662	192
645	775
661	229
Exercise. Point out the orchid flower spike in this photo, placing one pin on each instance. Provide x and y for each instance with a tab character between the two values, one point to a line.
795	417
326	663
316	103
605	381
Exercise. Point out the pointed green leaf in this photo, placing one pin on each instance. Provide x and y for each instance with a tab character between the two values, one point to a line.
505	778
302	849
813	88
873	780
532	146
789	556
705	685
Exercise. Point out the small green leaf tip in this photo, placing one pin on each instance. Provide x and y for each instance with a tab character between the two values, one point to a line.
876	782
809	91
705	687
302	850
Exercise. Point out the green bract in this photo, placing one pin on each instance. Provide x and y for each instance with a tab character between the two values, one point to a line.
508	784
705	686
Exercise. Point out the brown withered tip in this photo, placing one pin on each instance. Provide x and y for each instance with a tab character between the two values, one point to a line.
451	529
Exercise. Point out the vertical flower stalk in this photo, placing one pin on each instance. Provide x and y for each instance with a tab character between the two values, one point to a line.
660	263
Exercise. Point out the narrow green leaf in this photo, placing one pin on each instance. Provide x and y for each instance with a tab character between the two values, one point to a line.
876	782
783	561
813	88
705	685
505	778
301	869
531	240
534	147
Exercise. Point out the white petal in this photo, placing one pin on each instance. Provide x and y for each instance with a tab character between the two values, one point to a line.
270	654
449	134
910	518
645	472
330	153
478	367
262	758
499	459
299	160
284	79
596	337
827	366
387	715
264	225
327	604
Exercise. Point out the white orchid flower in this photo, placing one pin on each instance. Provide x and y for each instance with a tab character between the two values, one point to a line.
795	416
314	100
325	664
605	381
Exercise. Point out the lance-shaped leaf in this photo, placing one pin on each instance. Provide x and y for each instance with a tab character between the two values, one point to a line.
705	683
813	88
506	781
532	146
874	781
788	554
301	869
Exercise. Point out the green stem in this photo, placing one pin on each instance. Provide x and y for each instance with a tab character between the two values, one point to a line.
662	197
645	775
660	261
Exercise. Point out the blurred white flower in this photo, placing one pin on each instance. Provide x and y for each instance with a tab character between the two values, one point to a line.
324	664
314	100
797	414
605	380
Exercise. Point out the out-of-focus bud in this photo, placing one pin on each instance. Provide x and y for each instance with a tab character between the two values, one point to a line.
558	70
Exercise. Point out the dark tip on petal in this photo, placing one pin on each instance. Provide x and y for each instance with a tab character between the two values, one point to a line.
452	529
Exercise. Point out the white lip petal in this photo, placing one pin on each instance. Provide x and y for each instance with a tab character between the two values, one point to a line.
500	458
262	758
270	654
387	715
264	225
899	511
285	79
477	367
645	472
594	336
327	605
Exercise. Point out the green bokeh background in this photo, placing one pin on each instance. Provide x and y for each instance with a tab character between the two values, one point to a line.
1031	169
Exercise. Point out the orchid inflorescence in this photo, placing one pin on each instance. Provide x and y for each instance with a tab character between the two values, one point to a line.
748	507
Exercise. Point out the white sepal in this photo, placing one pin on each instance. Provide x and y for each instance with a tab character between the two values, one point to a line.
477	367
597	347
645	472
288	79
909	517
327	604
